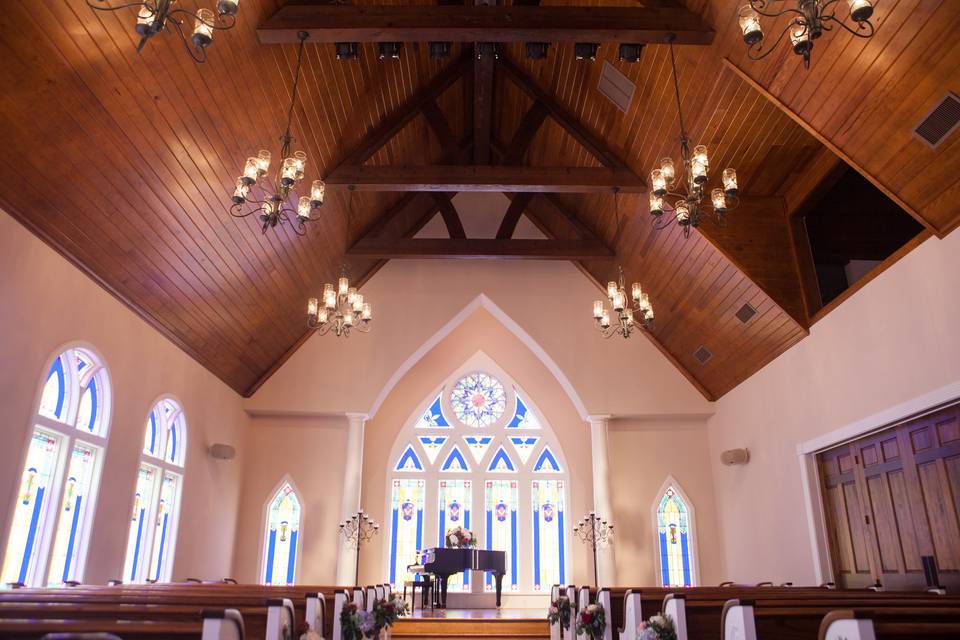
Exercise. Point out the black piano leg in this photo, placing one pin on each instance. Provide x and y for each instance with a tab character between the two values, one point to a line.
498	577
443	591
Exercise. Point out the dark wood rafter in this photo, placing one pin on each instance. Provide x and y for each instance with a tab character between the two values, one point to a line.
510	219
473	249
448	178
496	23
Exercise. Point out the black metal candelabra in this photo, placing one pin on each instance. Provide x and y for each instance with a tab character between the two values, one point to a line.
598	533
356	530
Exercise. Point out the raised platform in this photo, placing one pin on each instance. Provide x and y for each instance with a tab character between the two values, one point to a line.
503	624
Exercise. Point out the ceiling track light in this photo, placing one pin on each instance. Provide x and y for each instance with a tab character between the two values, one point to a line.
488	50
586	50
630	52
154	16
389	50
346	50
537	50
439	50
810	18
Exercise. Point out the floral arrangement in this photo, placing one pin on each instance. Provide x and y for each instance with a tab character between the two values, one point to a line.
387	610
658	627
460	538
592	621
559	612
305	632
357	624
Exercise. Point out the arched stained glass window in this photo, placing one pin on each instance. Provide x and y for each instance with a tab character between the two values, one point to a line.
49	533
281	537
156	501
482	470
674	531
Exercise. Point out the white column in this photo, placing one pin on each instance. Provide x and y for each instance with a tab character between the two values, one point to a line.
602	504
350	503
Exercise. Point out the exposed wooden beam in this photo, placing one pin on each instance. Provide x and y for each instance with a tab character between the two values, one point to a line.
482	107
423	23
474	249
590	141
392	124
825	141
447	178
450	216
510	219
531	123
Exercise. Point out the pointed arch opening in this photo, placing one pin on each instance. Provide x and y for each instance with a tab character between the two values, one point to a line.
483	450
282	537
674	524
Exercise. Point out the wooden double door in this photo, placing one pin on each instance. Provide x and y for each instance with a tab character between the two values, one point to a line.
892	497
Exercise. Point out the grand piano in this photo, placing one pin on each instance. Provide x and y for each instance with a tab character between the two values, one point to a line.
443	563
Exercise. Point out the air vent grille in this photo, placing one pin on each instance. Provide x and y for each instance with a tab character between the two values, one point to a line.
616	87
745	313
702	354
940	122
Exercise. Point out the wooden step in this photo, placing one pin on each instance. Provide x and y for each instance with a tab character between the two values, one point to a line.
502	629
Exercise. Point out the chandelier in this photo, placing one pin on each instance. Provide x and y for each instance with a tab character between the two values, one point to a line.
812	18
275	203
155	15
341	310
688	188
627	315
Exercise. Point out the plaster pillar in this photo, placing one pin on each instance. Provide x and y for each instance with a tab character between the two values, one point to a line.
602	504
350	502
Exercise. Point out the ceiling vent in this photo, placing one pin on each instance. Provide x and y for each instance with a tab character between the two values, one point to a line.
702	354
940	122
745	313
616	87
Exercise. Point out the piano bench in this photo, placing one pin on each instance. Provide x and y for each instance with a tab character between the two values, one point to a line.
426	590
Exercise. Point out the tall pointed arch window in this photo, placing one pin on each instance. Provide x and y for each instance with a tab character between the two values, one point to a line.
281	537
53	513
673	520
476	454
156	500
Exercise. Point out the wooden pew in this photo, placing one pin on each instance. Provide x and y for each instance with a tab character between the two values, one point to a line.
212	625
849	624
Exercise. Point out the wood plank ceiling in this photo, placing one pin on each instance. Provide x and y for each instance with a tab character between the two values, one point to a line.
124	164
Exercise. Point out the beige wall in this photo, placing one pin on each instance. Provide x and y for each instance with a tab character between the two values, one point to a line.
310	451
643	453
45	303
894	340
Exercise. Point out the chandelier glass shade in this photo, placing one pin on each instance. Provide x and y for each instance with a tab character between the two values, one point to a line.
153	16
680	196
275	201
810	18
625	313
340	311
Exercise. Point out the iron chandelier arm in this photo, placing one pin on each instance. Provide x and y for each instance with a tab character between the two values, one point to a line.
236	209
200	59
100	6
298	228
865	28
756	52
216	24
760	5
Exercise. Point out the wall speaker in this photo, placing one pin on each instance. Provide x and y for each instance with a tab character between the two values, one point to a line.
222	451
735	456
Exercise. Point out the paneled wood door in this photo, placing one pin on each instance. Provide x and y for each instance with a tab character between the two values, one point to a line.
892	497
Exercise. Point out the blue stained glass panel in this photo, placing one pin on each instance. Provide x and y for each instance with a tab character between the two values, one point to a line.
406	527
546	462
673	537
433	417
523	418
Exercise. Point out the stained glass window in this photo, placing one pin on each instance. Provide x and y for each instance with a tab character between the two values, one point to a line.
409	461
523	418
548	499
455	462
432	446
454	510
49	532
156	501
501	462
406	526
478	446
478	400
280	541
524	446
433	417
546	462
673	533
500	502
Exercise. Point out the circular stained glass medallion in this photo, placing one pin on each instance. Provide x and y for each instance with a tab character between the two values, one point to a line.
478	400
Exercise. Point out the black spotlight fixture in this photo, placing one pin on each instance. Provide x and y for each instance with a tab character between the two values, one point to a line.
488	50
389	50
630	52
586	50
439	50
537	50
346	50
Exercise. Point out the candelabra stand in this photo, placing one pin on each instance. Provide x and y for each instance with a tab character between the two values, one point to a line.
595	531
356	530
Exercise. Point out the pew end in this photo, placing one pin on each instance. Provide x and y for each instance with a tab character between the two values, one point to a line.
222	624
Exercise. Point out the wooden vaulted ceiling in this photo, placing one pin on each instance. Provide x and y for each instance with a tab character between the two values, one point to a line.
124	164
